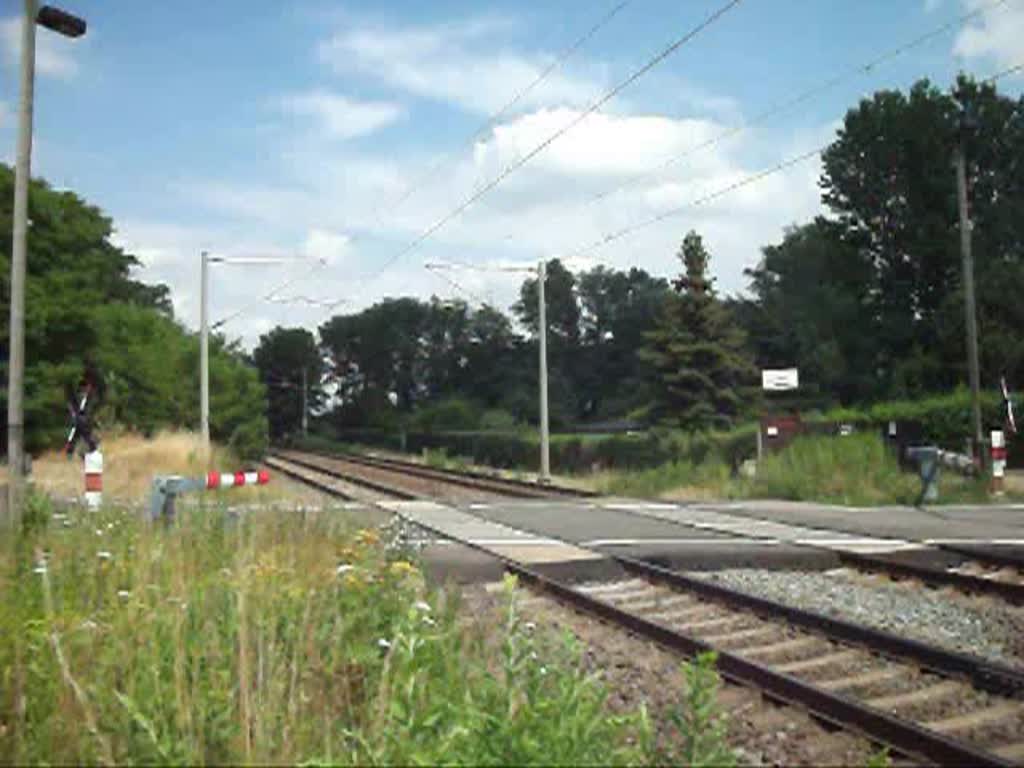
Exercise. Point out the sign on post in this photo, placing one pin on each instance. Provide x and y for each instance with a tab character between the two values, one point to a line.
779	379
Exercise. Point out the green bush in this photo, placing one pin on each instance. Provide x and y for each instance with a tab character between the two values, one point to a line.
455	413
857	470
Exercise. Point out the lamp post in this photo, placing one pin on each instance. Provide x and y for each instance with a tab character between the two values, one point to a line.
62	23
541	272
204	334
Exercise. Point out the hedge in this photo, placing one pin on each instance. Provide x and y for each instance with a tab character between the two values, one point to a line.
941	419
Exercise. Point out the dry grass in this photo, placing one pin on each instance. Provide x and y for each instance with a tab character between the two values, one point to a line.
130	462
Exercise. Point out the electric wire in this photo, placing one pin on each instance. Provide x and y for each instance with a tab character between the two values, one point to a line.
791	103
556	64
543	145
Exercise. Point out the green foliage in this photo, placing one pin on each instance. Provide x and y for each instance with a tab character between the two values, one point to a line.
274	640
856	470
700	730
452	414
702	375
82	306
284	356
869	304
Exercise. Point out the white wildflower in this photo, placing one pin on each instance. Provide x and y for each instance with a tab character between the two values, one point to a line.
89	624
124	594
530	626
99	531
422	606
344	568
385	644
104	555
40	569
429	621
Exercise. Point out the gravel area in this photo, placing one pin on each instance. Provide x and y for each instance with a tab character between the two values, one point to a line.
981	626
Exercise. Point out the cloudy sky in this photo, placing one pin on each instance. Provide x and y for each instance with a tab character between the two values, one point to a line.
335	135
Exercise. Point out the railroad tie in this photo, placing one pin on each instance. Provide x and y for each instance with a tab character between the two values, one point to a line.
940	690
700	626
731	638
609	587
805	665
861	679
683	615
785	646
1003	710
661	602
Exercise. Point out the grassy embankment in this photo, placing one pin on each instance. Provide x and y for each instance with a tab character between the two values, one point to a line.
283	638
857	470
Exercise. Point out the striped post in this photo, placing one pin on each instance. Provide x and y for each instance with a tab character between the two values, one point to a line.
998	460
93	479
216	480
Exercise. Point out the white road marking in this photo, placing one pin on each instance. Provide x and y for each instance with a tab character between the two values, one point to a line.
632	542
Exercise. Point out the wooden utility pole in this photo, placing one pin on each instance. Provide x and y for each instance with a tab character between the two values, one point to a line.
960	162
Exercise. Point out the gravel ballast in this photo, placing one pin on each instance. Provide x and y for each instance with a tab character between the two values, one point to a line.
979	626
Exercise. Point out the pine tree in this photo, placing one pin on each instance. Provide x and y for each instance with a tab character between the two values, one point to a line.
702	370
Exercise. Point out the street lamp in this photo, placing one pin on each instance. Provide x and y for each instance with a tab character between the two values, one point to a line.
204	334
62	23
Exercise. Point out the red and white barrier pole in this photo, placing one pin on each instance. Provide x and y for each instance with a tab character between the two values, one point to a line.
93	479
998	460
216	480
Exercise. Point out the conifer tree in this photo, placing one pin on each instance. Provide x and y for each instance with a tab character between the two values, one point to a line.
702	371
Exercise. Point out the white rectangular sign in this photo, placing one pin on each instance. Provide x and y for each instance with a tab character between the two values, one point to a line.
779	380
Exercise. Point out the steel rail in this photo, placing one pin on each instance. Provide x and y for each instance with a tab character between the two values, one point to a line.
900	734
1011	559
362	482
465	478
1006	590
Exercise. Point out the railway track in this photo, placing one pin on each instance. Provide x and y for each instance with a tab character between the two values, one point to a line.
981	574
389	476
927	703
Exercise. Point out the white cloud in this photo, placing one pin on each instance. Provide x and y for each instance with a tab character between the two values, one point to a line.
55	55
326	246
995	35
639	142
5	113
341	117
542	210
458	64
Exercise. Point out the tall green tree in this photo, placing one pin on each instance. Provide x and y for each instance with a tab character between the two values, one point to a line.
697	352
84	305
889	181
285	357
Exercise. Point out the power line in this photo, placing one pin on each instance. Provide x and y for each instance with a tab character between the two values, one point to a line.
792	102
747	180
596	105
269	296
556	64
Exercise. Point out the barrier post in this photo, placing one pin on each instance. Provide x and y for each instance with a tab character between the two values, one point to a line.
998	461
94	479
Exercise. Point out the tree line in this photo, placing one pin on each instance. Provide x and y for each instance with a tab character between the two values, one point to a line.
866	300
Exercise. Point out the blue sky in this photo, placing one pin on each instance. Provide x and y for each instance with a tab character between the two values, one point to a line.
294	130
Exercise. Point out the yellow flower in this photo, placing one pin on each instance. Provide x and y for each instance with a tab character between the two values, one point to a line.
368	537
401	568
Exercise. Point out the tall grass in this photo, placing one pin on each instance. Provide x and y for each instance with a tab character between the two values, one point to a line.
271	639
856	470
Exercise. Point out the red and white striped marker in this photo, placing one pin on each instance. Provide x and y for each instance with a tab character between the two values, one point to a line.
93	480
216	480
998	460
